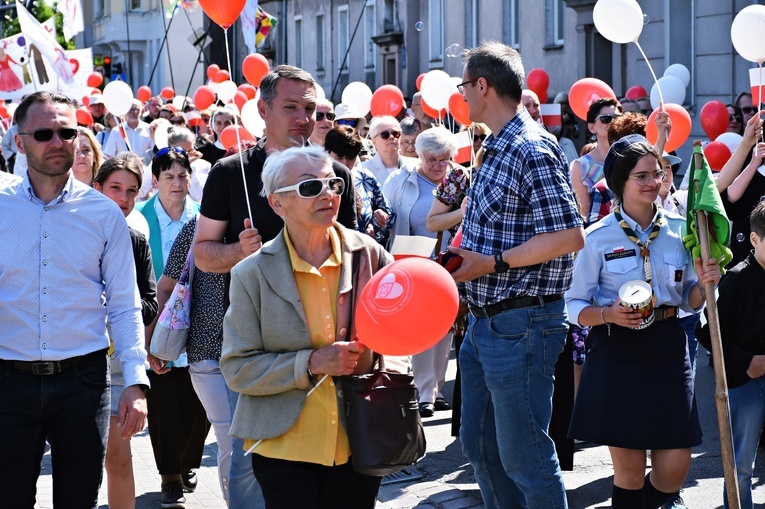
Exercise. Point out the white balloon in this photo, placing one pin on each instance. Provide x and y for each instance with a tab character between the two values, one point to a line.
358	95
320	95
679	71
118	97
160	135
180	102
437	87
226	90
251	118
619	21
746	33
672	89
730	140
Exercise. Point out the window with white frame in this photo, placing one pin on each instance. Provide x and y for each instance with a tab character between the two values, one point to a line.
320	42
343	37
554	13
98	8
436	30
370	30
135	5
512	23
472	20
299	41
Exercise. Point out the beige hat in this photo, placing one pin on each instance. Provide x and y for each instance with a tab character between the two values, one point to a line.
346	111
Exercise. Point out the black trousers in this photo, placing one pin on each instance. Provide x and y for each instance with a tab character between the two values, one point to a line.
293	484
178	422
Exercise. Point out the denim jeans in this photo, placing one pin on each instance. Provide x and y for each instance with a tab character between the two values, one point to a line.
507	364
244	491
210	387
71	411
747	416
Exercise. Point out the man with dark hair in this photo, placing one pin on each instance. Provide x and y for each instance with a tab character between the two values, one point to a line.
67	267
520	230
231	229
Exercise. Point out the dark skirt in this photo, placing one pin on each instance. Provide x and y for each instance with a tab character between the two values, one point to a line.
636	390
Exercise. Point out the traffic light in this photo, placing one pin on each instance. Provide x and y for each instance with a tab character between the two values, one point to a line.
118	68
107	67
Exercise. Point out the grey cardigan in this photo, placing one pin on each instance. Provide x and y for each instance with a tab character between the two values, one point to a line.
266	343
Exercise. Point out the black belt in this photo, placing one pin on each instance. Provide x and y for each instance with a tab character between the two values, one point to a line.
54	367
664	313
516	303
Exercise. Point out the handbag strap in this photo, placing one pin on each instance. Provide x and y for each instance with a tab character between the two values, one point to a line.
355	265
188	269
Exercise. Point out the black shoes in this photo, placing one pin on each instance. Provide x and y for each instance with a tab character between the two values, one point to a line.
189	480
442	404
427	409
172	496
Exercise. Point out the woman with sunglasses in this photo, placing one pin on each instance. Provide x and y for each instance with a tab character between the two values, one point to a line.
325	120
735	120
385	134
178	424
119	178
289	332
636	392
588	169
410	191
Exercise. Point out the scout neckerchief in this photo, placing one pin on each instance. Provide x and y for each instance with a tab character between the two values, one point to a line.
644	251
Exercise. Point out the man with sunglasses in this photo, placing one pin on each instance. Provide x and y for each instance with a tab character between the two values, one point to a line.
325	120
521	229
230	228
136	131
67	267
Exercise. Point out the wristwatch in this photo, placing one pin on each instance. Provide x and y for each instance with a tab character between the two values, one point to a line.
500	265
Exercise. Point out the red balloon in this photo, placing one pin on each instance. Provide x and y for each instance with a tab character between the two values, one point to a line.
221	76
389	317
224	13
387	100
204	97
239	99
419	80
538	81
167	93
681	126
143	94
717	154
542	97
95	79
431	112
248	90
4	112
714	119
459	108
212	70
83	116
95	91
586	91
636	92
228	136
85	100
254	67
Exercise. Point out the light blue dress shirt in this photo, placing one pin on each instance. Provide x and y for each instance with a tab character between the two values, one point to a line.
58	261
609	259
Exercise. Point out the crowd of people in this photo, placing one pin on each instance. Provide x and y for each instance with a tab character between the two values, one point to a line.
282	234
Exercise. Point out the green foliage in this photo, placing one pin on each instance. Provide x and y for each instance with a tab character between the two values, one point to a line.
40	10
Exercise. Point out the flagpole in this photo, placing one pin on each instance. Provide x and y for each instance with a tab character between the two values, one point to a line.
721	383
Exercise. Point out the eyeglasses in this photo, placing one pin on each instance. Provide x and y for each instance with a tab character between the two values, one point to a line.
408	143
478	137
461	86
734	118
311	188
329	115
353	122
606	119
387	134
749	110
432	161
65	133
643	179
164	151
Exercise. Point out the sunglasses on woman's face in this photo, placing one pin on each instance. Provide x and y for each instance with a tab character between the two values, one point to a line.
311	188
352	122
387	134
321	115
749	110
606	119
735	118
478	137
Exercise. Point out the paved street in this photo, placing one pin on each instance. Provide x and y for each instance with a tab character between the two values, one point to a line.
445	480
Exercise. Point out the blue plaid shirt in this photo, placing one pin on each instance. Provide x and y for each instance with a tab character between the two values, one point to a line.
523	189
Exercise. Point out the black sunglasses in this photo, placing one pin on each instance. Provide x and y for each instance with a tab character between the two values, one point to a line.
164	151
606	119
749	110
345	121
387	134
320	116
311	188
65	133
735	118
478	137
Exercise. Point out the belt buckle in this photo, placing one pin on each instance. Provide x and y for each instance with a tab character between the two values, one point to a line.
44	368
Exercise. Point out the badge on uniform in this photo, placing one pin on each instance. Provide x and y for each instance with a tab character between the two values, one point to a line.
620	253
679	276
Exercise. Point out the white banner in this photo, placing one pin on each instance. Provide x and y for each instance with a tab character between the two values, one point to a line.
73	20
45	42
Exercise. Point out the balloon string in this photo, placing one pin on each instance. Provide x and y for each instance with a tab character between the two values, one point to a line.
238	138
655	79
123	133
248	451
759	101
